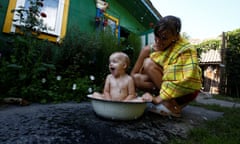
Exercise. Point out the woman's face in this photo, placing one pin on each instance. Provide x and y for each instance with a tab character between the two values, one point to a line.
164	40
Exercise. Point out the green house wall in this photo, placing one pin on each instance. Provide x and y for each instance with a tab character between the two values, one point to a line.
82	15
3	11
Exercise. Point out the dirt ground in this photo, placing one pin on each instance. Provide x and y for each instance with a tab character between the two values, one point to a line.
70	123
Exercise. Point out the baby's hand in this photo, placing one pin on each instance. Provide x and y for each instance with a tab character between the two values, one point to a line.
138	99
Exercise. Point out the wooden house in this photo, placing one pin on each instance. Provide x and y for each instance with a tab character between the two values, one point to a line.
123	17
211	63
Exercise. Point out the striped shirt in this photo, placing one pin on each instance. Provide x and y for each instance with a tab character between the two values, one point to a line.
181	71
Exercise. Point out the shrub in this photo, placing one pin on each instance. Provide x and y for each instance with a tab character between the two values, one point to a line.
42	71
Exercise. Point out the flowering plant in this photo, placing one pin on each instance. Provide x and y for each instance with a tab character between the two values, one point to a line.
31	17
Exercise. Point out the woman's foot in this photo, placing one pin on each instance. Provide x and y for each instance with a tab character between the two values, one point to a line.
166	108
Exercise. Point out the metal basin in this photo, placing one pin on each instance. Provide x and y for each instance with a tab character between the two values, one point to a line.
117	110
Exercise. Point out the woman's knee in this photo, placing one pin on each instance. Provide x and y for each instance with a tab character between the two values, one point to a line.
137	79
148	63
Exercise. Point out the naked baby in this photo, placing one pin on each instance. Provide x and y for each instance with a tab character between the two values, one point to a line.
119	86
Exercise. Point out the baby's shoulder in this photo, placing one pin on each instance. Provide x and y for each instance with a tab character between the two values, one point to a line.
109	77
129	77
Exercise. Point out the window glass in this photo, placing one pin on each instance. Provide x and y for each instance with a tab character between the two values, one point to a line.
50	7
112	22
56	17
56	12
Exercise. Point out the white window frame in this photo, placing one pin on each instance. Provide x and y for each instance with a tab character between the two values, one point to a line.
58	23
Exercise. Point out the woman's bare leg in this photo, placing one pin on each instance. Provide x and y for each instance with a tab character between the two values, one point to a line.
150	77
142	81
154	72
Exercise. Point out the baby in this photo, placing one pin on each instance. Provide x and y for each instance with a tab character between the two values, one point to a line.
119	86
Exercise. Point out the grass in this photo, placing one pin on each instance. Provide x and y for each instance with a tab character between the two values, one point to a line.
224	130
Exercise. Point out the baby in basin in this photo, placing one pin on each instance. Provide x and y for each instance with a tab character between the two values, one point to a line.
119	86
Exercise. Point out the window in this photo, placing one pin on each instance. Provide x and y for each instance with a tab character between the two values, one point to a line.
113	23
56	20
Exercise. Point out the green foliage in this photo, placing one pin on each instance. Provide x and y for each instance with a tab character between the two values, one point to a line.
231	59
58	89
132	47
233	63
208	44
41	71
85	53
223	130
25	65
31	66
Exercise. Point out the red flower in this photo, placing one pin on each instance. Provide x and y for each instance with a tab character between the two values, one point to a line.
43	14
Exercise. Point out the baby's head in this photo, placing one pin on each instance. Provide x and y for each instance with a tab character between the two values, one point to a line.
118	60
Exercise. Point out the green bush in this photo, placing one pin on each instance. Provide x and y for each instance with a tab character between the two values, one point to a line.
233	63
42	71
31	67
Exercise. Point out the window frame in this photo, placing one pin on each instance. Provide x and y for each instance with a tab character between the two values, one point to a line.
116	20
61	20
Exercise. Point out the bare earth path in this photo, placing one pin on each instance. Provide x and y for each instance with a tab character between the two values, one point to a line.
76	123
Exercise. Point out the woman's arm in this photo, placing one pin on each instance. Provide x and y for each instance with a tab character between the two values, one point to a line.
139	63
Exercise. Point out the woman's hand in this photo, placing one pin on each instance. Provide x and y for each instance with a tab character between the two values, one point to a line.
149	98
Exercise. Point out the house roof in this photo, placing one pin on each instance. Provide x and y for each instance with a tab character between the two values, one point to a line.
142	10
211	57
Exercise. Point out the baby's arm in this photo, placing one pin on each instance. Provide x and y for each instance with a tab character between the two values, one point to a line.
106	90
131	89
98	95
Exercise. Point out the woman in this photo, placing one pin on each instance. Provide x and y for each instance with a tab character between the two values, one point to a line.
169	66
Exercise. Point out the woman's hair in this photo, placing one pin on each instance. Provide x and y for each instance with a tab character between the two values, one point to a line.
171	23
